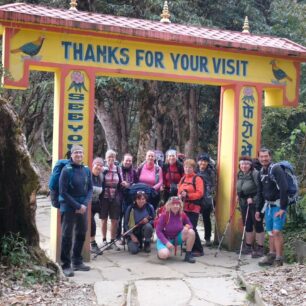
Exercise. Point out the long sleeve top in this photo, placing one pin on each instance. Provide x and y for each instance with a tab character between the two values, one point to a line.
136	214
270	190
75	187
247	186
170	225
148	176
194	192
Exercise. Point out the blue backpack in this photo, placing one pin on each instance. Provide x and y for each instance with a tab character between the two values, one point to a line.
54	179
293	188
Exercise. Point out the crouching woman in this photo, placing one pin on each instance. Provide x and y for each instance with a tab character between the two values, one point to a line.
138	220
174	227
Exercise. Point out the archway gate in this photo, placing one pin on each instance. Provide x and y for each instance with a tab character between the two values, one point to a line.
79	46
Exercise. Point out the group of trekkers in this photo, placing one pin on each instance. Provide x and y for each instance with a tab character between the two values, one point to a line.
167	198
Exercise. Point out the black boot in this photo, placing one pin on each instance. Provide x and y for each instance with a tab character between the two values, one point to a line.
147	247
189	258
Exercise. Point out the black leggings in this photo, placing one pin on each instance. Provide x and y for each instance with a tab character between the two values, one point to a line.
194	217
95	209
251	222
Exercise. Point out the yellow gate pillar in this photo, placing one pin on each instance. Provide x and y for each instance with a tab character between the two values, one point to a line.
239	134
73	124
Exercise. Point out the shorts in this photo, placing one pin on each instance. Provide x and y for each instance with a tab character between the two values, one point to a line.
274	223
110	208
96	209
160	245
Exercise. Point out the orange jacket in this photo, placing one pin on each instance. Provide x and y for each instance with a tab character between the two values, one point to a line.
193	194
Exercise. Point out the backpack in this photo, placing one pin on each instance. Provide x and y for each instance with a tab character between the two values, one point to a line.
201	201
150	192
54	179
293	188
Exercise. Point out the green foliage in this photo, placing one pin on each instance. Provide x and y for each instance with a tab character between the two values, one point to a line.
13	250
16	255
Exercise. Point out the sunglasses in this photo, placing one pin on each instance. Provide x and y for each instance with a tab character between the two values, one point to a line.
140	192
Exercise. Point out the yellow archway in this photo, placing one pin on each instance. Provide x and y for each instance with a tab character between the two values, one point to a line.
78	46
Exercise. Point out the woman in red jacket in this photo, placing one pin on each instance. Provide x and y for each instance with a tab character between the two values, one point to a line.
191	191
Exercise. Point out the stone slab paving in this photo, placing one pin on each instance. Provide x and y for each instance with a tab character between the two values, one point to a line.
123	279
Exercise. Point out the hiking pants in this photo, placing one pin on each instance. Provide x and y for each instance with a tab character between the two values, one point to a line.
77	224
95	209
194	217
207	223
146	232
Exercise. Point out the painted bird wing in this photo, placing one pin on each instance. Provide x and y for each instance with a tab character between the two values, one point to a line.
30	48
279	74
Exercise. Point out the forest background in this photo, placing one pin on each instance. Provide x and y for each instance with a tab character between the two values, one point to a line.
137	115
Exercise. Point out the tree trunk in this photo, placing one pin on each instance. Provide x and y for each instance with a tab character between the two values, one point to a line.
148	97
107	122
192	142
19	181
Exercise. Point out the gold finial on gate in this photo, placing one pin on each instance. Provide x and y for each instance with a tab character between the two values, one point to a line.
73	5
165	14
246	28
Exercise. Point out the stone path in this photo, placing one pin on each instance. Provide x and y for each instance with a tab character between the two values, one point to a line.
123	279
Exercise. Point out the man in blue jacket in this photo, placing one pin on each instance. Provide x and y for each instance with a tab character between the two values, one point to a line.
75	188
272	199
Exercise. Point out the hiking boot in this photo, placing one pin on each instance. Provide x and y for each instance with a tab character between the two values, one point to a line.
246	250
197	254
94	249
68	272
267	260
189	258
258	252
80	267
208	243
147	247
278	262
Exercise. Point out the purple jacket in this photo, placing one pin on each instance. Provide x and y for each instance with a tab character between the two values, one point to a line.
170	225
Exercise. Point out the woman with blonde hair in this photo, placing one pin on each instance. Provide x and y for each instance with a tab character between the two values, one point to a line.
173	227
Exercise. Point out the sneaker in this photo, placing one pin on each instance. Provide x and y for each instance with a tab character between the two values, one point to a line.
106	245
258	252
80	267
113	246
267	260
95	249
147	247
68	272
278	262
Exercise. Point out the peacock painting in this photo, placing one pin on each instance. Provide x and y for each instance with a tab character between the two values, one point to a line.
31	49
279	74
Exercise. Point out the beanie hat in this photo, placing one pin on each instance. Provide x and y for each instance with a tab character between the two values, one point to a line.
204	156
98	160
76	148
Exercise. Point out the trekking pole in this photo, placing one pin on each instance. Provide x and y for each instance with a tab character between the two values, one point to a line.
227	225
243	235
216	224
105	247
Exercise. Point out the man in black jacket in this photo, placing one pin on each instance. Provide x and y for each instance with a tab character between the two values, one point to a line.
75	188
272	200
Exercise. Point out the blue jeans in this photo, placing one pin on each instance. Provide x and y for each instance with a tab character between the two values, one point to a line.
71	220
